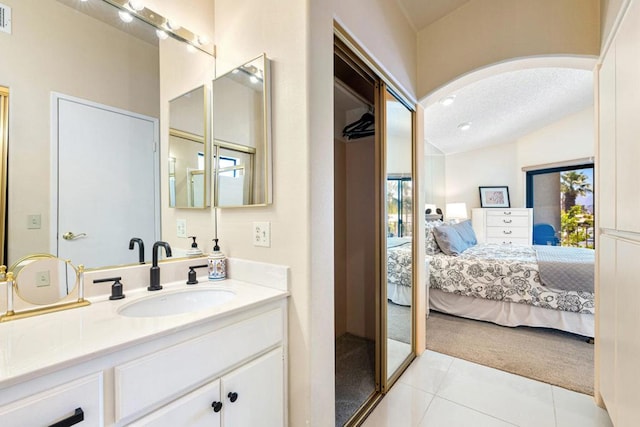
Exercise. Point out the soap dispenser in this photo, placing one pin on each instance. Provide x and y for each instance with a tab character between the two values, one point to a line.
195	250
217	263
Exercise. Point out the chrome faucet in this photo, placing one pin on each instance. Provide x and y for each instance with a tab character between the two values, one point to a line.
140	248
155	270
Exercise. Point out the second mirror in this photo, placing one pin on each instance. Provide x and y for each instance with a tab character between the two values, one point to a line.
242	136
188	154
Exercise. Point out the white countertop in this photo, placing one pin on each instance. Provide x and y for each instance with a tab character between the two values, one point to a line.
41	344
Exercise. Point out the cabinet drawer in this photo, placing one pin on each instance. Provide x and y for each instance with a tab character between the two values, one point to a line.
507	221
509	241
510	232
507	212
59	403
193	410
188	364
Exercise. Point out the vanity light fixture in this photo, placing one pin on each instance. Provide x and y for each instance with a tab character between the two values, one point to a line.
125	16
136	5
162	35
448	100
464	126
172	25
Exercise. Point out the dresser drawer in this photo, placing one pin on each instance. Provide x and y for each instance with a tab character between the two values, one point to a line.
509	241
507	212
187	365
510	232
507	221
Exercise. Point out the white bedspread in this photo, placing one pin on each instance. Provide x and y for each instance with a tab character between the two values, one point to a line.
503	273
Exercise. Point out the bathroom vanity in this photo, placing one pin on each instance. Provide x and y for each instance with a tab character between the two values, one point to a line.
221	365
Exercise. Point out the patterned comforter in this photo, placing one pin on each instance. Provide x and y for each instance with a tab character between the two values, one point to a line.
502	273
399	264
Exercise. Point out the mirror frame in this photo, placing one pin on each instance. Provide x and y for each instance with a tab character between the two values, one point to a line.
11	283
4	143
266	144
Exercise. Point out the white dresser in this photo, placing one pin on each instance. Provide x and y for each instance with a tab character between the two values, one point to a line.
512	226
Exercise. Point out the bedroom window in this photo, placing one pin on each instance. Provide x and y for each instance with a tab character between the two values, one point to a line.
399	203
562	199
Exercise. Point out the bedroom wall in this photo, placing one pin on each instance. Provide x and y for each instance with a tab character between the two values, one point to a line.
567	139
435	179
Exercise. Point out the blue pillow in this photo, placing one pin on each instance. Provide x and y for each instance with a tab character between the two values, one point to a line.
465	229
449	240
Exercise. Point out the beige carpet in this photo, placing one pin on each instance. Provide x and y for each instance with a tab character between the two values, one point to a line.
546	355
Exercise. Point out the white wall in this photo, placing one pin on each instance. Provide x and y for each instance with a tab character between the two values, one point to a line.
568	139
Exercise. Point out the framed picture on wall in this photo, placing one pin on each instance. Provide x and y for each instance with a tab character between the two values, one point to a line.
494	197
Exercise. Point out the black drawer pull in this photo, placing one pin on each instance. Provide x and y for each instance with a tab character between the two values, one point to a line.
233	396
77	417
507	212
507	221
217	406
507	231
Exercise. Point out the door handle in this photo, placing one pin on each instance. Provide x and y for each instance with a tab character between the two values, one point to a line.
69	235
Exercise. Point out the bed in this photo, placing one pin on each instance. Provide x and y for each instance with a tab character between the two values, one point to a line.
511	285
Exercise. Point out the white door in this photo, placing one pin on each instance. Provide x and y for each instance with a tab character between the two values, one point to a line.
107	183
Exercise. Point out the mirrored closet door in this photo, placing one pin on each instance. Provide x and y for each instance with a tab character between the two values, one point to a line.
373	236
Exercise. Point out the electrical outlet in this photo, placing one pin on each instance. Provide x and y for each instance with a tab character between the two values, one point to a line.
42	279
181	230
262	234
34	221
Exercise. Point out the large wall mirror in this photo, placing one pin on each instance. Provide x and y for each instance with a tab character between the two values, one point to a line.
242	136
188	150
104	84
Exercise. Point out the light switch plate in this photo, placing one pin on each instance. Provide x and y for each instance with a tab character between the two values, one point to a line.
34	222
262	234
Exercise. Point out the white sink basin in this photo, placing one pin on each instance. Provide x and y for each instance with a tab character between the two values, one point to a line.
180	302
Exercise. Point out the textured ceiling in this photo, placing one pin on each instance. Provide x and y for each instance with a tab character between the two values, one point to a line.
506	107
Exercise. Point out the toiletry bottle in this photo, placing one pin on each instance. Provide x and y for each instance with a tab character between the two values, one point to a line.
195	250
217	263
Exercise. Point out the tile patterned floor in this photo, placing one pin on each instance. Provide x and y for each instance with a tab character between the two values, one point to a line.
441	391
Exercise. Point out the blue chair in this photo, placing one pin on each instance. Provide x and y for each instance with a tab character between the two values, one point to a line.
545	234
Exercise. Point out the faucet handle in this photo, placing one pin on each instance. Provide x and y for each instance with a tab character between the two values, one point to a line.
191	277
116	288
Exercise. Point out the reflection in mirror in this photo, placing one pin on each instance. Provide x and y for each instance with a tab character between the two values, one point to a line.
43	279
399	210
242	136
188	154
119	65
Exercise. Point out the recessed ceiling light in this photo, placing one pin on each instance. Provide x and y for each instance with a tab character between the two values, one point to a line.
125	16
448	100
464	126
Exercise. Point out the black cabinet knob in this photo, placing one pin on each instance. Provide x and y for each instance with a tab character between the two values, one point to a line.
233	396
217	406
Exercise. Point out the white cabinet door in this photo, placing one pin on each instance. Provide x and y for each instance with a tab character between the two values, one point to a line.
253	395
199	408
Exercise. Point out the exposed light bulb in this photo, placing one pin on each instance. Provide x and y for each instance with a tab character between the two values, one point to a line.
202	40
136	5
125	16
235	71
191	48
172	25
253	79
464	126
162	35
448	100
84	1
